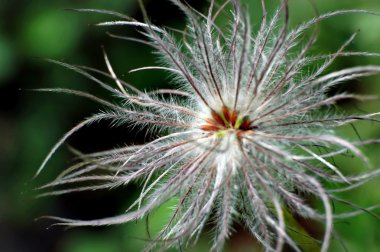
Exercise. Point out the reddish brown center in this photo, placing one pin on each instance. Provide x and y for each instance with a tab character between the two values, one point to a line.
226	119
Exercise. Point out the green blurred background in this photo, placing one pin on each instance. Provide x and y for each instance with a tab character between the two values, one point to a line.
31	122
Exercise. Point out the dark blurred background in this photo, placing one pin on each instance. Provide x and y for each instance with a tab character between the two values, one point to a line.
31	122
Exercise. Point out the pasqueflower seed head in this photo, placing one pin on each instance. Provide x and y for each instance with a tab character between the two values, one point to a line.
239	134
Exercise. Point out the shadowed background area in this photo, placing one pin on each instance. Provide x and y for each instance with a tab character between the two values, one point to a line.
31	122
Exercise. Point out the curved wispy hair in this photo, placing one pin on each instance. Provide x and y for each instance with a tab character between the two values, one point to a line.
247	135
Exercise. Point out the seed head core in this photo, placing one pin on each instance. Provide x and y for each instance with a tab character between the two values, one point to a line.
227	119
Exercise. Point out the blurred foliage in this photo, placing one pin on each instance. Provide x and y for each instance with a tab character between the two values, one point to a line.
31	122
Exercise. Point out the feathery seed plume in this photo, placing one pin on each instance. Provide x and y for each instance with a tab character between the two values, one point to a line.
243	126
